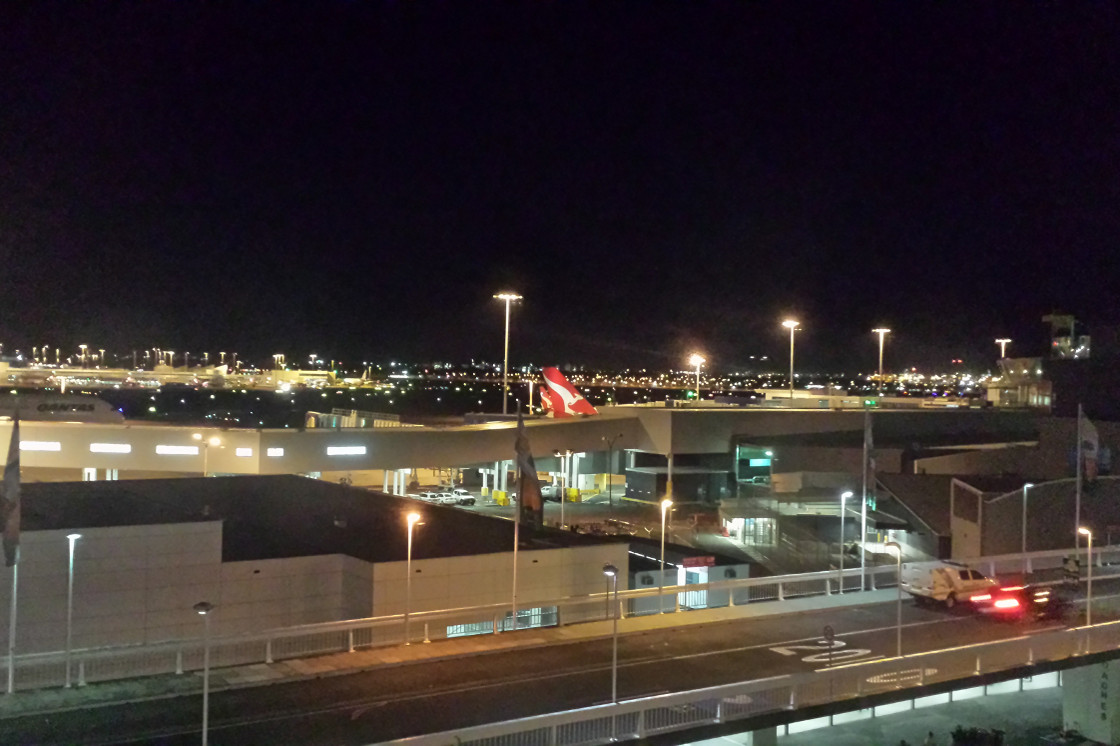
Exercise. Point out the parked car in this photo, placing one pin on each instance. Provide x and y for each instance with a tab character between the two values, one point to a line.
551	491
1025	603
429	497
447	498
948	583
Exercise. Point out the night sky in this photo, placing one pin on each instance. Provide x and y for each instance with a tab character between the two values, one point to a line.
358	179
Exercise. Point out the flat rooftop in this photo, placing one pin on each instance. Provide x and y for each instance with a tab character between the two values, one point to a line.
273	517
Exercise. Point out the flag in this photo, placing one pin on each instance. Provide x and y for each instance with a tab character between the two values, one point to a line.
868	443
1090	446
869	455
530	504
9	499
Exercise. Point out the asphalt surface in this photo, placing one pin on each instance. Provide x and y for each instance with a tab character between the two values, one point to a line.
402	700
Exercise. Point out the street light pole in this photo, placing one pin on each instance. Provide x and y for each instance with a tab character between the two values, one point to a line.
665	505
882	335
1023	548
697	361
897	549
1003	347
1089	590
204	608
70	605
790	324
843	505
412	520
610	467
508	298
206	443
612	572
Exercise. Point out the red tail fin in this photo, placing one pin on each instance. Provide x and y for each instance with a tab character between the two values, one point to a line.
560	398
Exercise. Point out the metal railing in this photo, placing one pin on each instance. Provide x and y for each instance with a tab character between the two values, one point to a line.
108	663
650	716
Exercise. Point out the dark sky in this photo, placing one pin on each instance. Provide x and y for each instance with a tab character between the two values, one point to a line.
358	179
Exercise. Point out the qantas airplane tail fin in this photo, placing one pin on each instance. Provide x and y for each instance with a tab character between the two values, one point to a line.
560	398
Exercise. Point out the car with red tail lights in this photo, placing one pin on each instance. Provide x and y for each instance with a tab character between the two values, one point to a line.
1025	602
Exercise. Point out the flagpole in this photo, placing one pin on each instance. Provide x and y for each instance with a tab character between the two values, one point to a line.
12	630
863	509
1077	499
516	541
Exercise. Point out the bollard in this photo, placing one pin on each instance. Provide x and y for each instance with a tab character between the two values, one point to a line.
179	661
827	587
426	638
268	651
781	593
349	641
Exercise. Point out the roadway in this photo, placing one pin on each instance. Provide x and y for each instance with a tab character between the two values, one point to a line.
398	701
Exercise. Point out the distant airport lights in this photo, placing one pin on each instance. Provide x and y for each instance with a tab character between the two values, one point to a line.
882	332
1003	342
508	297
792	325
696	361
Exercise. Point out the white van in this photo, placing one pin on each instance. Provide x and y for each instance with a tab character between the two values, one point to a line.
945	582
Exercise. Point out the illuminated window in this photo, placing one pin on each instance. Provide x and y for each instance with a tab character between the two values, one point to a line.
177	450
244	452
275	452
40	445
760	462
110	448
346	450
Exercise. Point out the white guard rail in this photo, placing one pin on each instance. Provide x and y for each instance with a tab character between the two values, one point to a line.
40	670
649	716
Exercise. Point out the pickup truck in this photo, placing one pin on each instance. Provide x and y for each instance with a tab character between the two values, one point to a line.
946	582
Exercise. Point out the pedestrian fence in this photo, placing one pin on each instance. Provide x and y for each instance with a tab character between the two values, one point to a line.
108	663
644	717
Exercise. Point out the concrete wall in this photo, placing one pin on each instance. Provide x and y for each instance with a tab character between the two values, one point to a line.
457	582
138	584
132	584
1091	701
1021	460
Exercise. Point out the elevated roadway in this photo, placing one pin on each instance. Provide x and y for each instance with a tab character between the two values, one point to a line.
129	449
452	685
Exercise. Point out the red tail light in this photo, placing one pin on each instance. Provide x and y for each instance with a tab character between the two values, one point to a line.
1007	603
982	597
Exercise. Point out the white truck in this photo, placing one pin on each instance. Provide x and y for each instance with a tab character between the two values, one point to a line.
946	582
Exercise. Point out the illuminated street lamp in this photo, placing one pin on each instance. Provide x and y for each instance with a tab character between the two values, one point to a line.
696	361
70	605
1003	342
1089	589
412	520
882	336
792	325
83	349
204	608
508	297
665	505
843	506
893	546
206	443
612	572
